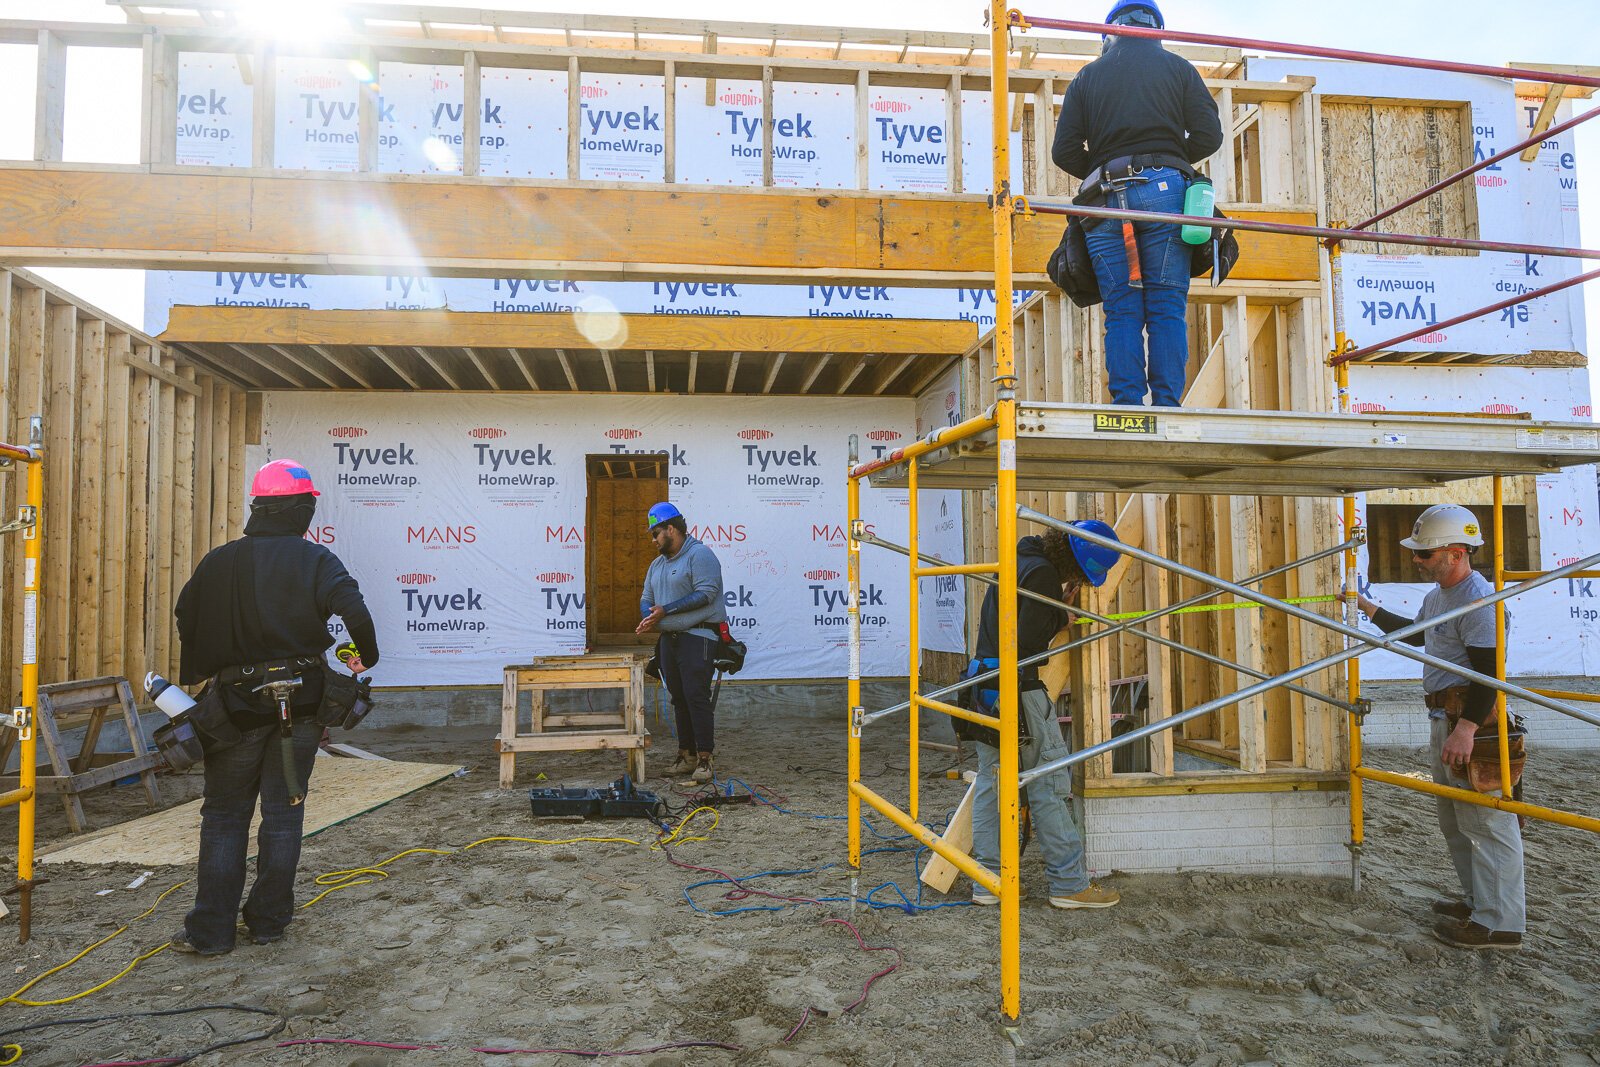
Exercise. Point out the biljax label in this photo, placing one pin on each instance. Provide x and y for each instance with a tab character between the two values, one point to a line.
1106	422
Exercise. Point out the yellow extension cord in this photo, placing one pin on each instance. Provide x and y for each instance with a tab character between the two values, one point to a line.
334	881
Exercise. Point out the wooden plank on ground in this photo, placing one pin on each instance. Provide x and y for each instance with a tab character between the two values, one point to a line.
340	790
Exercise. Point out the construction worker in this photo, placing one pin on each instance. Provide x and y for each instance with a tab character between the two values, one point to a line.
256	606
1485	844
682	600
1132	123
1055	565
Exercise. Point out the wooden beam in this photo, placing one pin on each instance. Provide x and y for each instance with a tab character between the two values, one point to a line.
1547	115
304	364
932	369
888	369
483	368
694	365
523	365
452	227
435	365
817	365
394	365
345	366
850	372
772	372
114	521
728	333
60	479
650	370
566	368
733	370
274	369
50	97
611	370
144	366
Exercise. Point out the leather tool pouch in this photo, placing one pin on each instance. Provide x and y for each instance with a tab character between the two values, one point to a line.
210	718
1483	769
346	699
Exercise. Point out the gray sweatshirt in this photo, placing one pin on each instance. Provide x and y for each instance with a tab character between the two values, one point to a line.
689	586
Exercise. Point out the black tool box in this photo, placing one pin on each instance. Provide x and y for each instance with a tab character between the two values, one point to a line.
620	800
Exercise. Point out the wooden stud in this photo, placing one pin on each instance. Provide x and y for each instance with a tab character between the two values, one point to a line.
650	371
1541	123
523	365
291	356
471	115
89	499
133	595
863	129
574	120
222	488
437	366
482	367
183	495
669	123
952	126
694	364
164	471
205	454
345	366
394	365
817	365
236	464
50	97
772	372
733	370
113	531
277	370
56	598
566	368
264	112
367	115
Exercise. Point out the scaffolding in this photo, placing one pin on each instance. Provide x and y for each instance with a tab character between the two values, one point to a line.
1261	454
21	718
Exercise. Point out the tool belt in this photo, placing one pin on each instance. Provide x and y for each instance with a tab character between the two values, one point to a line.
986	702
1092	194
1483	769
254	674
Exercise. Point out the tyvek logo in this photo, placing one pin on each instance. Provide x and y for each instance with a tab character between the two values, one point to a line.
894	107
832	605
1367	407
622	433
884	435
552	576
566	610
486	432
346	432
1499	409
415	578
754	435
821	575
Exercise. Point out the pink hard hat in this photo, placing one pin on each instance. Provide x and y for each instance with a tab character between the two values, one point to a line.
282	477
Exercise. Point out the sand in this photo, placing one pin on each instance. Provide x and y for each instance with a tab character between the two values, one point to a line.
594	946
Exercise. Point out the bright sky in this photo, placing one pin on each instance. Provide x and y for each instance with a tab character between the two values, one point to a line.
102	119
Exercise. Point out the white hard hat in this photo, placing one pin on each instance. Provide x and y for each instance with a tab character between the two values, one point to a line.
1444	524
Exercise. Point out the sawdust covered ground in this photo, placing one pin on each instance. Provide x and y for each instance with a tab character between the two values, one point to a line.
595	947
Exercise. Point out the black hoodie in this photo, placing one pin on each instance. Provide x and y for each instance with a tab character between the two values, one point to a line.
1136	99
266	596
1037	623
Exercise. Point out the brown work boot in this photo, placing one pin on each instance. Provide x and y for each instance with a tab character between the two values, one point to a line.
1472	935
1459	910
1096	896
702	769
684	765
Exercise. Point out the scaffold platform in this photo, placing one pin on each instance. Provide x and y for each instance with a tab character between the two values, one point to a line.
1091	448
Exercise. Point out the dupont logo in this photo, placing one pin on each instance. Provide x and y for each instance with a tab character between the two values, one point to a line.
950	400
1582	411
486	432
1499	409
317	81
894	107
622	433
593	92
740	99
553	576
884	435
1490	181
1565	561
822	575
346	431
440	83
415	579
1432	338
754	435
1366	407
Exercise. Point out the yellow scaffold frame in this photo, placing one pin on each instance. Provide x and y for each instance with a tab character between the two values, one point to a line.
30	522
1002	419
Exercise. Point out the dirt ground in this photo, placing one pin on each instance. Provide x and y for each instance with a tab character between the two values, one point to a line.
597	947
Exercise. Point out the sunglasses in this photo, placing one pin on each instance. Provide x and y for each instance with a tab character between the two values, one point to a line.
1425	553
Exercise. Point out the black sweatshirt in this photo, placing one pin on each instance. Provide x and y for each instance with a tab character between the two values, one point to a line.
1136	99
1479	704
297	585
1037	623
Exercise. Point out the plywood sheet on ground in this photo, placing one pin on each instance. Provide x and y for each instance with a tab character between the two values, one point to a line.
340	789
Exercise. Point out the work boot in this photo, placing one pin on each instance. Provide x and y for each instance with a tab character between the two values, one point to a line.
1096	896
1472	935
684	765
1459	910
180	943
702	769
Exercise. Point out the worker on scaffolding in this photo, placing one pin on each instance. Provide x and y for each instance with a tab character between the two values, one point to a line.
258	607
682	600
1132	124
1485	844
1054	565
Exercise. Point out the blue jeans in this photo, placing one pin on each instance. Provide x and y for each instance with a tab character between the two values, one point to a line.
1159	309
686	671
1047	800
235	777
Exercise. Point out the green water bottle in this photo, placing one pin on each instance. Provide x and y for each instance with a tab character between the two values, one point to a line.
1200	201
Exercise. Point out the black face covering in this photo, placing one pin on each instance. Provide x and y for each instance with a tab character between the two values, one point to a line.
283	516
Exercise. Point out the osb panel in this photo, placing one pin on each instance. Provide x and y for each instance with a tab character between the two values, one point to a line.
340	789
1375	155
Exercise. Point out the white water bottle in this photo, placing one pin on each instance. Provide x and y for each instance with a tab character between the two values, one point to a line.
169	698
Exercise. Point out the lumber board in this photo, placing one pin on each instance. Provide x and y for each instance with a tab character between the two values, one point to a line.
135	633
939	873
369	223
60	438
89	499
573	742
114	532
9	607
340	790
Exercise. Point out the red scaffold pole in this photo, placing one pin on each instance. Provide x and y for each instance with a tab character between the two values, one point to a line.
1547	76
1326	233
1491	161
1459	319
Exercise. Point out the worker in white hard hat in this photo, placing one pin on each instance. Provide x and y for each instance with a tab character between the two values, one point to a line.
1485	844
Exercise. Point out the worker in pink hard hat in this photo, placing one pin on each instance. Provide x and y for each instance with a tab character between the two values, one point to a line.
258	607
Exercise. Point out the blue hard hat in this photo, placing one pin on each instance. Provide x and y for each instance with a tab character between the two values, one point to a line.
1124	6
661	512
1094	560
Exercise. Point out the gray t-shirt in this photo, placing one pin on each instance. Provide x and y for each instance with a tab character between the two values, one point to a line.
1449	640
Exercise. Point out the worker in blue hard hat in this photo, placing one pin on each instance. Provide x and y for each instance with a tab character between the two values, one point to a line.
1132	125
682	601
1056	565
